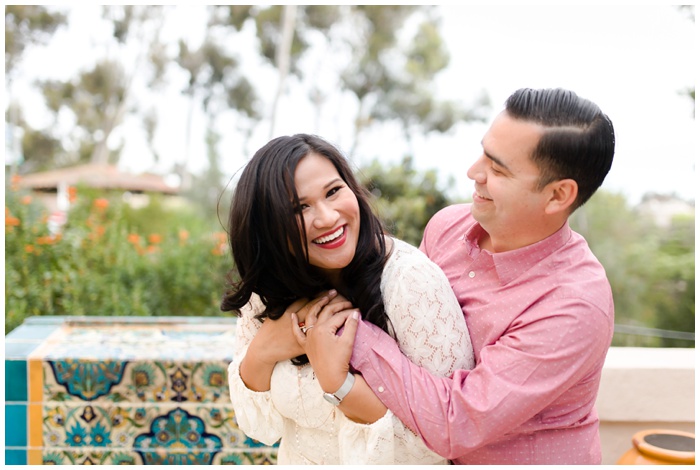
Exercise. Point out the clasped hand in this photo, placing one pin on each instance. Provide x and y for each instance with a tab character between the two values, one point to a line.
328	352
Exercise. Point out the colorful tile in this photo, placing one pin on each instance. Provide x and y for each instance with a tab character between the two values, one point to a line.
19	350
16	425
118	390
31	332
15	457
15	380
128	425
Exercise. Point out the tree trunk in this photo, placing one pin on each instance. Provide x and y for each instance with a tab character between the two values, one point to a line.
283	58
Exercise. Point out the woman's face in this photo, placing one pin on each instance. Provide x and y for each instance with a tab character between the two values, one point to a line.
331	214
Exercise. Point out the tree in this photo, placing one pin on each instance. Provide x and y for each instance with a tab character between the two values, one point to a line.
97	100
282	33
405	198
216	80
25	26
672	295
391	82
650	268
689	12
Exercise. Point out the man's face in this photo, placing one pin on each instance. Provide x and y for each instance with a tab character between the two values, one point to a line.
506	201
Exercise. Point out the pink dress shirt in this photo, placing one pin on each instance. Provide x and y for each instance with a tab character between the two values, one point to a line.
541	321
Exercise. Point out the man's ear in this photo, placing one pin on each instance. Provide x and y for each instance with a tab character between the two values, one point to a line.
562	194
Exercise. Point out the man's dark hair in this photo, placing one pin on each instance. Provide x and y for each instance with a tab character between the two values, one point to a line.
578	141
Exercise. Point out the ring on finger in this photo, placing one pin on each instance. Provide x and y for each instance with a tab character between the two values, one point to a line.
305	328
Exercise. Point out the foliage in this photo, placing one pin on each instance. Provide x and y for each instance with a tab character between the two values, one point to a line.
651	268
111	259
404	198
26	25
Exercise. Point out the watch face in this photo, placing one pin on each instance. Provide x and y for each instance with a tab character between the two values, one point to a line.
332	399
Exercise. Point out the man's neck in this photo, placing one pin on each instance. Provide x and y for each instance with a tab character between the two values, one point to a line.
510	243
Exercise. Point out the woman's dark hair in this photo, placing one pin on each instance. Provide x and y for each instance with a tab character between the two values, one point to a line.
269	250
578	141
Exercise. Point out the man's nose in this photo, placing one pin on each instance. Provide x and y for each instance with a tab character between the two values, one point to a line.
477	171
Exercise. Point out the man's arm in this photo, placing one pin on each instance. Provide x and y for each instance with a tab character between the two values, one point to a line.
516	378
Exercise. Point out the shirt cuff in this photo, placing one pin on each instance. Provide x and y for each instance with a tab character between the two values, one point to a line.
366	337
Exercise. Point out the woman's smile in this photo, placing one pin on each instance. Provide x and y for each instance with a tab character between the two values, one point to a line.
331	240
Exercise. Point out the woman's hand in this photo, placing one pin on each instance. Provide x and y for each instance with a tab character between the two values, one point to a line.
275	342
327	353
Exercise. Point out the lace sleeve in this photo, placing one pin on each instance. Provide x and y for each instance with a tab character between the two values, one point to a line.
255	413
428	321
431	331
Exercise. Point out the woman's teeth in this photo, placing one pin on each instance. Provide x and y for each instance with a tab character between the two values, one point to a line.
328	238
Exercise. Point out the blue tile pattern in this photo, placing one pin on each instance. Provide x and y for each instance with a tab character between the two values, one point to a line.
15	425
15	381
122	390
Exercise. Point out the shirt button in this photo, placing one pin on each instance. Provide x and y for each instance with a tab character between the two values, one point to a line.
380	389
472	274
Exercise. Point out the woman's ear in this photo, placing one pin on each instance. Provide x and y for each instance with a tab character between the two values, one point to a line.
562	196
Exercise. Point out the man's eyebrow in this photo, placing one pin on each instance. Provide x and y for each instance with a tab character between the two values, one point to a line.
495	159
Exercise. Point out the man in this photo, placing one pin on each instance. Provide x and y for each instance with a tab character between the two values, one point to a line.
536	300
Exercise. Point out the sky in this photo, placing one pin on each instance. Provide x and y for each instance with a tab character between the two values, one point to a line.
633	61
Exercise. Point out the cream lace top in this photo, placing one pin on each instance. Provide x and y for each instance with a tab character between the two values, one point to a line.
430	330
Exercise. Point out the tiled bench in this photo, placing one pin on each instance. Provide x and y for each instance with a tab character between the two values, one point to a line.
123	390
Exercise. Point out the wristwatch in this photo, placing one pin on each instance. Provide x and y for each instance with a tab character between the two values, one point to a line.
337	397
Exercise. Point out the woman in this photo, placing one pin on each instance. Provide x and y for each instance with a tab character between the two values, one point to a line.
301	225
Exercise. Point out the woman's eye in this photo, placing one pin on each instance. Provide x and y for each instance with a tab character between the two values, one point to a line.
333	191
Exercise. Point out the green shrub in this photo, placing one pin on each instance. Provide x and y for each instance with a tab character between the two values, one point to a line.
111	259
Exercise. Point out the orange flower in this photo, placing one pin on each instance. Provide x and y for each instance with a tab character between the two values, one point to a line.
47	240
72	194
29	248
154	238
184	235
220	247
11	221
26	200
100	230
133	238
100	203
14	182
152	249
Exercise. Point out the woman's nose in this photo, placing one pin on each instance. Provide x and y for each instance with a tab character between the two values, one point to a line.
325	216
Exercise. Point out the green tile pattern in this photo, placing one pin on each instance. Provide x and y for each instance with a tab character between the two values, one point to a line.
118	390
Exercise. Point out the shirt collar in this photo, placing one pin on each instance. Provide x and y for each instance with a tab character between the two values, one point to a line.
511	264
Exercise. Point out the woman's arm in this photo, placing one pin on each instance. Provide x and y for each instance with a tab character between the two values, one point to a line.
274	342
255	414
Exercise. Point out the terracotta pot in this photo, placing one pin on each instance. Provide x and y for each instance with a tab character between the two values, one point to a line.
660	447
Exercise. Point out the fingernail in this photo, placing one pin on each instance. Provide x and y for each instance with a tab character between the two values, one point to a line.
332	292
356	315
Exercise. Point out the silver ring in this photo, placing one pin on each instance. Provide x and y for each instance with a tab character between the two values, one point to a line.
305	328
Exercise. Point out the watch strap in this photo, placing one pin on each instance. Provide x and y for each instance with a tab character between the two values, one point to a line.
343	390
